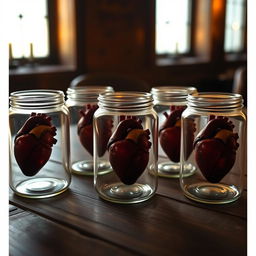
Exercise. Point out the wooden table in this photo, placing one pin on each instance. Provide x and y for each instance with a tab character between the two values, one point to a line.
78	222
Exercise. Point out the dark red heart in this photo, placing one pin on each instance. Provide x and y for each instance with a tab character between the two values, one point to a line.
215	149
170	142
170	134
33	143
129	150
85	130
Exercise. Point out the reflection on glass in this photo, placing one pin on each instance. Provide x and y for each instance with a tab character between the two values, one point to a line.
28	24
235	25
173	26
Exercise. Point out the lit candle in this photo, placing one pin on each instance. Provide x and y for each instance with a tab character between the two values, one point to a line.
31	51
10	52
177	48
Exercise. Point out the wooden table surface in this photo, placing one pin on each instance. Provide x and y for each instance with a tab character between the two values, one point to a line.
78	222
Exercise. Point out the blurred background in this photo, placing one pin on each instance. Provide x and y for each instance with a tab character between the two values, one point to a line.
129	44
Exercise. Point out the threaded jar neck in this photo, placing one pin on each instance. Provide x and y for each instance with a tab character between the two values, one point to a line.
87	93
125	101
36	99
215	101
171	93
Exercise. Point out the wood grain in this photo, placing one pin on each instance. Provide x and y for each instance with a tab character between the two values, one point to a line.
155	227
34	235
167	224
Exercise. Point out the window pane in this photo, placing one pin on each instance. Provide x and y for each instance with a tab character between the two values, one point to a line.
173	26
235	25
28	23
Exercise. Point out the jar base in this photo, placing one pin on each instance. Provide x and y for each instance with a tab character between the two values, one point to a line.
85	167
41	187
125	194
211	193
172	170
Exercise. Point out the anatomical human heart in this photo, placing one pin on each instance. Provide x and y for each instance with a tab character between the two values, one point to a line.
33	143
85	130
170	134
215	148
129	150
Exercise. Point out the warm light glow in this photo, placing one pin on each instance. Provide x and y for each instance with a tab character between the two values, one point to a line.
217	6
201	39
235	26
66	31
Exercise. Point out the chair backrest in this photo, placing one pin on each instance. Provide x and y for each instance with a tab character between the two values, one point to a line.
119	82
240	83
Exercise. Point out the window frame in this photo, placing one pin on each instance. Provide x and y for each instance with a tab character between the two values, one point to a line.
53	57
191	52
236	54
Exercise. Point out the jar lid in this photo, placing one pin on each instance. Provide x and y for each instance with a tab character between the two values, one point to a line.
215	100
90	92
125	100
41	98
172	93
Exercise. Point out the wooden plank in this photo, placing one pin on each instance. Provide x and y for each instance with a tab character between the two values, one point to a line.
168	188
160	226
171	189
30	234
167	224
14	210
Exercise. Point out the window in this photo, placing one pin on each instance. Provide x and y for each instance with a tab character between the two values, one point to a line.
28	28
173	26
235	26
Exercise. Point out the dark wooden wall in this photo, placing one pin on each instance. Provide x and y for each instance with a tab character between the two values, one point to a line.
117	36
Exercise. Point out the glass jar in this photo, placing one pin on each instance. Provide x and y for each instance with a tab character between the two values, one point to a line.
218	147
39	143
131	149
82	102
169	103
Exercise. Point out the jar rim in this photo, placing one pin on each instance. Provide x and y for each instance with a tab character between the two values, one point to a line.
36	98
89	88
125	100
172	93
215	100
87	92
175	90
